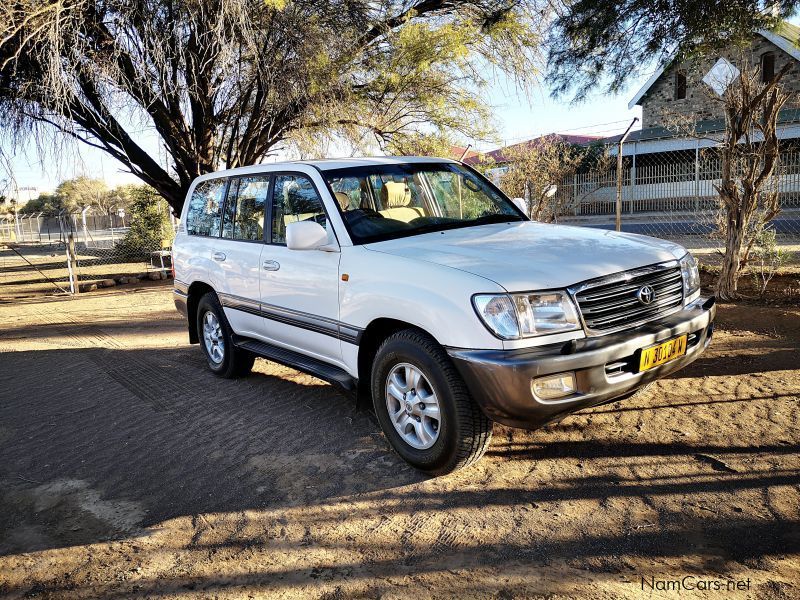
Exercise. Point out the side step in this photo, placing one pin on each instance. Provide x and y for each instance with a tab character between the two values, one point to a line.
301	362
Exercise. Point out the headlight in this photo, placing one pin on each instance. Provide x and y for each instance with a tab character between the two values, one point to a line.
516	316
691	276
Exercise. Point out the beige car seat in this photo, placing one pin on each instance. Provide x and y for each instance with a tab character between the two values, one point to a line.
396	198
343	200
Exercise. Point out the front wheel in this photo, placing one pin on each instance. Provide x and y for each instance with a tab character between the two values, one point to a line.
423	406
216	340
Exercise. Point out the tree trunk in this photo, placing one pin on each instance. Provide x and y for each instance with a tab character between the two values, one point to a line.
728	281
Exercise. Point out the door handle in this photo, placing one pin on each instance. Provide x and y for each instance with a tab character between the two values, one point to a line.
271	265
219	256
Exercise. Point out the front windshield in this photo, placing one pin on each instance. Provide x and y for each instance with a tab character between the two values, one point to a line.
381	202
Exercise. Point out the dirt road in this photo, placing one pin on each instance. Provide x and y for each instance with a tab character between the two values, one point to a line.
127	470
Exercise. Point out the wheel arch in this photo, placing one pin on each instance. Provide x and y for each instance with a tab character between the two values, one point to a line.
371	339
197	290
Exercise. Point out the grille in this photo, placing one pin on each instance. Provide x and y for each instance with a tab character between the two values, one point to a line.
608	306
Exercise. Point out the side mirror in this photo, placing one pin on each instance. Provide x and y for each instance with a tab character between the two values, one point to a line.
521	204
305	235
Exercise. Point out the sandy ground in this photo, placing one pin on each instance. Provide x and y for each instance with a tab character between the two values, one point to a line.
127	470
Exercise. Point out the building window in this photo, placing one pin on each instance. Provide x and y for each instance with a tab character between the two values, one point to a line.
680	85
767	66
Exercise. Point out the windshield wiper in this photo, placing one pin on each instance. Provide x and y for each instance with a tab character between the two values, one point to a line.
496	218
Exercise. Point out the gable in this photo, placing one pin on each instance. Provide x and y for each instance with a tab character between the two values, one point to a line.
785	36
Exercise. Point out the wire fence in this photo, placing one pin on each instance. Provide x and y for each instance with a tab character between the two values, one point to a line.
671	195
71	253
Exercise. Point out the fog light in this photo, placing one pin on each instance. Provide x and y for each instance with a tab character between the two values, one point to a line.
554	387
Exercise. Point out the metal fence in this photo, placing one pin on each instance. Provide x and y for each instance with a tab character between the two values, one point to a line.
73	252
93	230
671	195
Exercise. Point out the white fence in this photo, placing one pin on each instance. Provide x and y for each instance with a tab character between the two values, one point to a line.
669	186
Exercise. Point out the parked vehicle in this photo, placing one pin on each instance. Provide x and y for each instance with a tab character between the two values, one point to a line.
416	283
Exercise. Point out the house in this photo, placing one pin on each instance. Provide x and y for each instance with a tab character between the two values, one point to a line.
669	164
688	89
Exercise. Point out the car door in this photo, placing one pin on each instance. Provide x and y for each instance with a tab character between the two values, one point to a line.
236	253
299	288
200	225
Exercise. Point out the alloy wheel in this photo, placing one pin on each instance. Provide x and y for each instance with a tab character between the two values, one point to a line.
413	406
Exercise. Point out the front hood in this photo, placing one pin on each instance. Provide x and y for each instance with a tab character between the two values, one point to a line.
529	256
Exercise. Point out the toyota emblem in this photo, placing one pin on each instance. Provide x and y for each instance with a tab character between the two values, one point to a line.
646	295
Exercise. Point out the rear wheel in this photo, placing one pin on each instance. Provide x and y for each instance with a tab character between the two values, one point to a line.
216	340
423	406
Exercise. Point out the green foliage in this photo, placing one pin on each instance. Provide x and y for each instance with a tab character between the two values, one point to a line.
150	227
80	192
422	144
48	203
73	195
613	41
766	259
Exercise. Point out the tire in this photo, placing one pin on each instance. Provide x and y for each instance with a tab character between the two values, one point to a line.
460	435
223	358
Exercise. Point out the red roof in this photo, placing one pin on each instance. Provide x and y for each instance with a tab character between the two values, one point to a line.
501	155
457	151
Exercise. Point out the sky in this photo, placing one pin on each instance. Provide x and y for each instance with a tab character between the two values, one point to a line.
518	118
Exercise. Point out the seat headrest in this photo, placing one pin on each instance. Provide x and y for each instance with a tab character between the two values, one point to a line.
343	200
395	194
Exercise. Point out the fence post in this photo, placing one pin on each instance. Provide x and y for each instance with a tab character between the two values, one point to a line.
633	181
697	177
85	230
73	283
619	173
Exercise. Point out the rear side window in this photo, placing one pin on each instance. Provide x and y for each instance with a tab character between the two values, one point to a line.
205	206
295	199
244	210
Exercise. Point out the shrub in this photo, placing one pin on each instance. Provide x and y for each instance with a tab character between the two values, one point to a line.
150	228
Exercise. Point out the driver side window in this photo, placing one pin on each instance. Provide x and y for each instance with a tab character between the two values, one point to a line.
294	199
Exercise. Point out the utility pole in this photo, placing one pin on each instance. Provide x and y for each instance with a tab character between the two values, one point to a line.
619	173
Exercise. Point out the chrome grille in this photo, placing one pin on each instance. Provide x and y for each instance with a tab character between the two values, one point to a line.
608	305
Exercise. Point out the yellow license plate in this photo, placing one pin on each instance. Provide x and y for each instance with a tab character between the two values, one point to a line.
658	355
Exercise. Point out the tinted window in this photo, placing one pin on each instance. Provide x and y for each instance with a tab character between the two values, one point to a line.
203	216
244	209
295	199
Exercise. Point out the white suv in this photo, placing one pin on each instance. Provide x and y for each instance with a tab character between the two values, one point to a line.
417	284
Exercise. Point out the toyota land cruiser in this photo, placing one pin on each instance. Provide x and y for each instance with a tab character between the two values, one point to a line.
417	284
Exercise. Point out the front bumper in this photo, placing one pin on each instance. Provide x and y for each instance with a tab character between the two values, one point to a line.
605	367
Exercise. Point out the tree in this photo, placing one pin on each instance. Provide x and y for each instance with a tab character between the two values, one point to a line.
423	144
46	202
227	82
750	155
533	167
611	41
150	229
78	193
